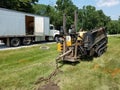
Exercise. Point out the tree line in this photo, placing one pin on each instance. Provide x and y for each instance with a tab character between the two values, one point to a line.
88	16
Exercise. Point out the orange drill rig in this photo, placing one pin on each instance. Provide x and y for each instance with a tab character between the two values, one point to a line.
74	46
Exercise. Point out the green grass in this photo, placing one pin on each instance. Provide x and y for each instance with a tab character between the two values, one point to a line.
20	68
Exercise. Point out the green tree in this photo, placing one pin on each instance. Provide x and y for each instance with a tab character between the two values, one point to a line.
119	18
47	10
90	18
67	7
56	13
20	5
113	27
40	9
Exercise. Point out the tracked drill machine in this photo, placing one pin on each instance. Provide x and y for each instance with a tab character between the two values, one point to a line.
74	46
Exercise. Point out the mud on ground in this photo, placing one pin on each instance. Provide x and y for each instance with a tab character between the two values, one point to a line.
49	86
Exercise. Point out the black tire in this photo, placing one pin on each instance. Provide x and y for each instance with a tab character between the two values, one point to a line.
99	53
47	38
26	41
5	42
14	42
56	38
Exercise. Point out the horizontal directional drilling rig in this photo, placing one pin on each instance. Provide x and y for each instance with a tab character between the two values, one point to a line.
74	45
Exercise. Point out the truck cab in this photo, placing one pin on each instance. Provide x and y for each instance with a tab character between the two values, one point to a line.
53	31
53	34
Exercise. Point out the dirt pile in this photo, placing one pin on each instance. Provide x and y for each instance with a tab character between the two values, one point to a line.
48	82
49	86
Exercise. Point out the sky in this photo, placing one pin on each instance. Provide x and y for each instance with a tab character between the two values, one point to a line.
110	7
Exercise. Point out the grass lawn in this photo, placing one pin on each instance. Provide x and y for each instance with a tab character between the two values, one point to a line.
20	68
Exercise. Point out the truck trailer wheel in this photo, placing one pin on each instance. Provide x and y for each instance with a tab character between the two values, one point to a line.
15	42
5	42
47	38
27	41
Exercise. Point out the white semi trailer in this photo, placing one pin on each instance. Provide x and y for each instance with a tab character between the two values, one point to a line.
18	28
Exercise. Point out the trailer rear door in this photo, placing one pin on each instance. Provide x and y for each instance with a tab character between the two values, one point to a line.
39	26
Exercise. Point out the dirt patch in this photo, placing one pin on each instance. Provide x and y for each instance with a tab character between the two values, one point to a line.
96	66
48	82
49	86
22	61
113	72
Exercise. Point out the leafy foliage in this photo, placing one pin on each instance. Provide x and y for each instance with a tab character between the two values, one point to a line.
56	13
19	5
113	27
67	7
90	18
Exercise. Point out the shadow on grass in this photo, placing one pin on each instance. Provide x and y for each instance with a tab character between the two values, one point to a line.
62	63
85	59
